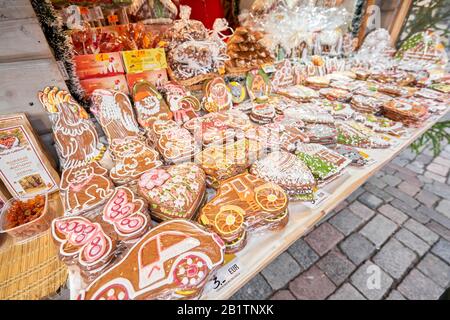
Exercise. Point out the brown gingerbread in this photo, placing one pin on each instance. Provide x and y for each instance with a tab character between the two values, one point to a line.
84	187
244	203
172	261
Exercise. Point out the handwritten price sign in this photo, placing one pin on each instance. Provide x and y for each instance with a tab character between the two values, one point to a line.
224	276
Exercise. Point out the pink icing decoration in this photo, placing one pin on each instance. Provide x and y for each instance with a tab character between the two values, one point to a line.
153	178
91	239
120	212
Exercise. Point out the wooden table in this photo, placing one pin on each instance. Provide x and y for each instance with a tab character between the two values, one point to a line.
263	248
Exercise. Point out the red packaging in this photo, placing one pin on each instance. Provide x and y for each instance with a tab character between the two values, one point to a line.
99	65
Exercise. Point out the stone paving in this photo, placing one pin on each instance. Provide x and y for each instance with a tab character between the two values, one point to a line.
389	240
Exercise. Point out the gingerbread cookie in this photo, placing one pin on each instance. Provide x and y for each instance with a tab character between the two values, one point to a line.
298	93
335	94
320	133
127	214
356	135
219	127
287	171
352	154
217	97
132	157
407	111
115	114
75	136
283	76
172	261
174	191
309	113
278	135
149	104
258	85
221	162
84	188
183	105
83	243
263	113
329	159
244	203
177	145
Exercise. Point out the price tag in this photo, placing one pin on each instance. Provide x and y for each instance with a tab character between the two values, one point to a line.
369	161
224	275
320	196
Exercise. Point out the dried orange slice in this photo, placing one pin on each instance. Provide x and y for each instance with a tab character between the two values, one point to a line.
270	197
229	219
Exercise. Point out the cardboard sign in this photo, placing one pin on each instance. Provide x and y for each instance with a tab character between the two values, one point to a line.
137	61
24	168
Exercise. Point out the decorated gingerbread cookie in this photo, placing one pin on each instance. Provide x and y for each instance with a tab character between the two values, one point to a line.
216	96
75	136
283	76
183	105
132	157
242	204
221	162
326	158
278	135
83	243
174	191
115	114
177	145
149	104
84	188
354	134
172	261
219	127
287	171
127	214
258	85
263	113
298	93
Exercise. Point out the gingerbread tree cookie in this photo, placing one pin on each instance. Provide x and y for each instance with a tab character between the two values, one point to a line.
246	51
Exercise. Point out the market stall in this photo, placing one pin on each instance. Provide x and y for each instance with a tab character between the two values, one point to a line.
181	149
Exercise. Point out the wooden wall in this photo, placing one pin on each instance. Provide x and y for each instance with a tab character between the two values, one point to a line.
26	63
26	66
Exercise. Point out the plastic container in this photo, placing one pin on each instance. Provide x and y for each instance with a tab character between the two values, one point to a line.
29	230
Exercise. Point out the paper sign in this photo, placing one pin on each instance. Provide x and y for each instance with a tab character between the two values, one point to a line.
320	196
21	168
137	61
224	276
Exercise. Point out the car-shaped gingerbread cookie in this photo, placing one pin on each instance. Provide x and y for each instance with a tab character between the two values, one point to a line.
245	203
172	261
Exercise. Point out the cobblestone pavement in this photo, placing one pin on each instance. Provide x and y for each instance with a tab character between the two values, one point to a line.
389	240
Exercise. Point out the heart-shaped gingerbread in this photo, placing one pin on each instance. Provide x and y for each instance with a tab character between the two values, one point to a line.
174	191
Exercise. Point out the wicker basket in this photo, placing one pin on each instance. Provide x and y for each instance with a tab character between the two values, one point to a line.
200	79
